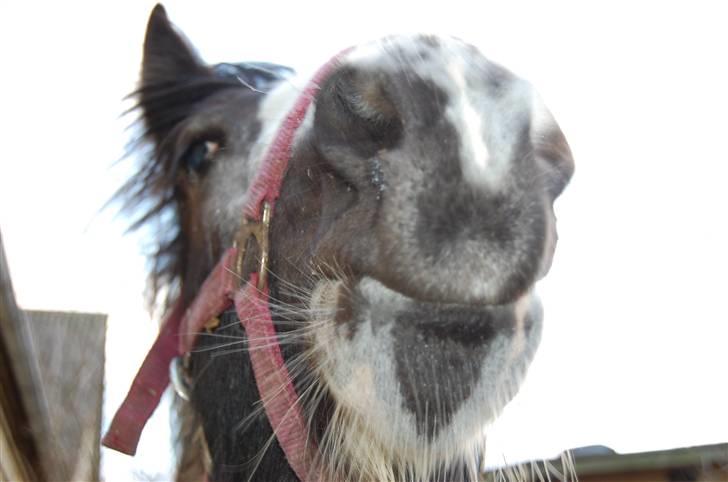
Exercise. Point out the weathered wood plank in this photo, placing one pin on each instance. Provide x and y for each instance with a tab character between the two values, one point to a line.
69	348
51	381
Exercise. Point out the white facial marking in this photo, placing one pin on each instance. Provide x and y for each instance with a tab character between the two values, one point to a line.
229	196
474	156
273	110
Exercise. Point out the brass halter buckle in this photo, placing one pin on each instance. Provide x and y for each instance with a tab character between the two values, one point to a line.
259	232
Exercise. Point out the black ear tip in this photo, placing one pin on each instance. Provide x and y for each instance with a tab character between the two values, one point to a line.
157	19
159	27
158	12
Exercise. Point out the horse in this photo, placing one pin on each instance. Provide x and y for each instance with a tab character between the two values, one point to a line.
413	218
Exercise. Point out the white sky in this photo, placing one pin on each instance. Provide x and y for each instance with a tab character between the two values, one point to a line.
634	348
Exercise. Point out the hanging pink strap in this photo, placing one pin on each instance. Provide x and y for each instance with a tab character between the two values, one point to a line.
214	297
146	390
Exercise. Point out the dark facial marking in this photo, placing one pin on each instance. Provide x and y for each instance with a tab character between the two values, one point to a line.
451	209
439	353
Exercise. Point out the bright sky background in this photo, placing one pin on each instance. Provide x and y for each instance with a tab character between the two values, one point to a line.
634	349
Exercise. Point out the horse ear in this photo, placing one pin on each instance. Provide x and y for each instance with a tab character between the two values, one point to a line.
168	56
550	146
170	69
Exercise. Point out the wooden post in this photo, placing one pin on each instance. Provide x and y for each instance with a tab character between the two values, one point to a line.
19	455
51	374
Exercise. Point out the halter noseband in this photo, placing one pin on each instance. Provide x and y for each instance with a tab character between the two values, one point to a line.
225	286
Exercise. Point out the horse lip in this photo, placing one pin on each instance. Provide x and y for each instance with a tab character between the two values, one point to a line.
372	284
369	300
340	294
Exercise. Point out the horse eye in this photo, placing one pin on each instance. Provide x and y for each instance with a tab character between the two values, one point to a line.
199	155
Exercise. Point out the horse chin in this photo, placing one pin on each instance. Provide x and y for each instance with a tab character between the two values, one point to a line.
415	383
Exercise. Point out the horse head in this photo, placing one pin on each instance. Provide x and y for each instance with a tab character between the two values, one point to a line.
414	219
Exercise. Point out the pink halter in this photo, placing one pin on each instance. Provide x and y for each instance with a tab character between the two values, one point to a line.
221	289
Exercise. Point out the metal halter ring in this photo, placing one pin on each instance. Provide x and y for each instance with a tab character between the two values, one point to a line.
258	231
178	375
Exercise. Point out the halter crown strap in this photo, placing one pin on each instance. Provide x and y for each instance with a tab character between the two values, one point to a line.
179	330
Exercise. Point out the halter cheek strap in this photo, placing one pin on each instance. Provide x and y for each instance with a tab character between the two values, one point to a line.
222	288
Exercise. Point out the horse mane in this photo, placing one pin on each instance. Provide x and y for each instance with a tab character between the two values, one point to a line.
151	196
